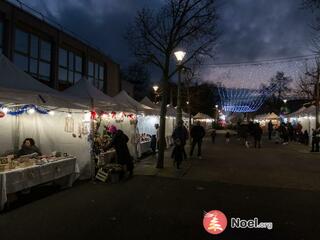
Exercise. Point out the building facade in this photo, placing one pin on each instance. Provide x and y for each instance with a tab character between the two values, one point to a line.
52	55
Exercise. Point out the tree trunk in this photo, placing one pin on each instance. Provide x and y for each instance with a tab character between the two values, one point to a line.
317	102
163	113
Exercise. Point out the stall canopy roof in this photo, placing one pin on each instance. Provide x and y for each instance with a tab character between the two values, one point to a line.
269	116
300	111
146	101
89	94
16	86
201	116
126	100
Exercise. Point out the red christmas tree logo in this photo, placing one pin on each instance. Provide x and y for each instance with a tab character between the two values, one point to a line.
215	222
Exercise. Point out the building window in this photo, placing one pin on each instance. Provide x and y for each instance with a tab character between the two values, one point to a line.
32	55
70	66
1	37
96	75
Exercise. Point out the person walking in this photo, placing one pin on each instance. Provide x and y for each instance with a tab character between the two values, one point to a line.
197	133
270	129
315	140
257	133
181	133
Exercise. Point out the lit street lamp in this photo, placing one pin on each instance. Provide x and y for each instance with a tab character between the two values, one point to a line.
285	101
217	113
179	56
155	88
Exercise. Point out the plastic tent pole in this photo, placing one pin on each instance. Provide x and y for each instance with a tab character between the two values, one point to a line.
92	134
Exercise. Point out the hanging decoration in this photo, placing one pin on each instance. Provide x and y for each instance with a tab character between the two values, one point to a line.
69	125
2	114
94	115
26	108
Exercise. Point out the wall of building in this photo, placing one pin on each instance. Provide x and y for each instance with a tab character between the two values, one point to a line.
36	45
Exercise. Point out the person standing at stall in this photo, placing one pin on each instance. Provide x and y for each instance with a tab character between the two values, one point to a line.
119	143
197	133
28	147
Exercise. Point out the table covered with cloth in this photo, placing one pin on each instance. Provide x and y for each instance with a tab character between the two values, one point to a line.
143	147
15	180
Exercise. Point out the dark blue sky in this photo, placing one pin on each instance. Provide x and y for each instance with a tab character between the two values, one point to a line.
252	29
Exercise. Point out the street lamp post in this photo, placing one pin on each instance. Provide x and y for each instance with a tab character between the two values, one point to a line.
179	56
155	88
217	114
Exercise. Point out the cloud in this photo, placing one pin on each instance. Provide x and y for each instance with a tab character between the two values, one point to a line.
263	29
252	30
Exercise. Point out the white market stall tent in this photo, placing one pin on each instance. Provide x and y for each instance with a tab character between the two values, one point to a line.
113	111
205	119
304	116
30	109
263	119
146	124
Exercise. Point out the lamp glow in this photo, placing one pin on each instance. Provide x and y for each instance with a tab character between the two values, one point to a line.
155	88
5	110
69	115
31	111
285	100
179	55
51	113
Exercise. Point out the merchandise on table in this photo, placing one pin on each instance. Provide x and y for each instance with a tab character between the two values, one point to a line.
144	138
10	162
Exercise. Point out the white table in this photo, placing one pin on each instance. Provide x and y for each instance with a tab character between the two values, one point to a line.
143	147
15	180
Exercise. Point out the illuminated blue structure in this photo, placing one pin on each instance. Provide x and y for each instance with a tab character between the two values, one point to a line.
243	99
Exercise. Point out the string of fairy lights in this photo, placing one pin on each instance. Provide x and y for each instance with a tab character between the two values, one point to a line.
240	83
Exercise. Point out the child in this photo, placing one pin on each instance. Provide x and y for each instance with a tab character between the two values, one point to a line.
177	153
227	137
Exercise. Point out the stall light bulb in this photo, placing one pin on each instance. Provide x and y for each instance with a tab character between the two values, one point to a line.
51	113
31	111
69	115
5	110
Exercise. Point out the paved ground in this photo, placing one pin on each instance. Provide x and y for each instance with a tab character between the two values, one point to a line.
276	183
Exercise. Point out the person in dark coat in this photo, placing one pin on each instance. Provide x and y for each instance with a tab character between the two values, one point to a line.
270	129
28	147
306	137
290	132
257	133
197	133
177	153
119	143
315	141
181	133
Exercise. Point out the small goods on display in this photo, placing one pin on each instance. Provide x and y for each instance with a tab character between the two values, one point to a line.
144	138
9	162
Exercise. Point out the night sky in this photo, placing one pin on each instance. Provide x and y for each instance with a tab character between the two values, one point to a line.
251	30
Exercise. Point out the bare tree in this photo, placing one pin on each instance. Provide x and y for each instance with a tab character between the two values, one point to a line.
305	86
281	84
154	36
191	75
314	74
